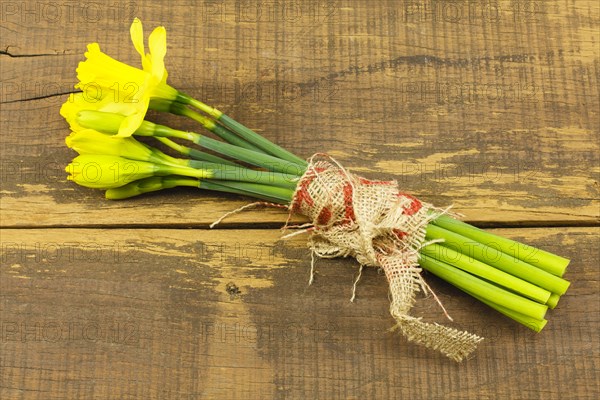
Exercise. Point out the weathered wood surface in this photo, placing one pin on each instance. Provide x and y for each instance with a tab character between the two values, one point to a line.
491	106
89	313
496	113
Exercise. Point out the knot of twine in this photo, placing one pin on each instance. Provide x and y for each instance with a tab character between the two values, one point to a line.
380	226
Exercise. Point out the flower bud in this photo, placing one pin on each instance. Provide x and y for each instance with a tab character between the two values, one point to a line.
99	120
106	171
91	142
148	185
109	122
136	188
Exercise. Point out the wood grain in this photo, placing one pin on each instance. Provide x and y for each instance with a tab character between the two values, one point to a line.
228	314
491	106
500	120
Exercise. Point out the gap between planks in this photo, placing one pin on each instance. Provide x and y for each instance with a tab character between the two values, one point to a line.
270	225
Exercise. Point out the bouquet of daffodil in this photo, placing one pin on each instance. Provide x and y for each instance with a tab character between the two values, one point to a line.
370	220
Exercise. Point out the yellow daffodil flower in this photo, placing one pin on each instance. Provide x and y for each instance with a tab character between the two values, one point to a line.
106	172
90	141
107	123
111	86
79	102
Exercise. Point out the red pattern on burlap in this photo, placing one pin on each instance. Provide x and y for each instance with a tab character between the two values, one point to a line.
415	204
302	194
338	208
400	234
348	203
324	216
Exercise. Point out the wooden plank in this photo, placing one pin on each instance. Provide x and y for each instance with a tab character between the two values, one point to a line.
492	106
489	112
89	313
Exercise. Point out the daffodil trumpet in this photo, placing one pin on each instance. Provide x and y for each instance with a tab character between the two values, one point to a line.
519	281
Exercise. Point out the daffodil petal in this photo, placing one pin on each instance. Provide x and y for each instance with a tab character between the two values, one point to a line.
101	70
75	103
137	37
157	43
132	122
93	142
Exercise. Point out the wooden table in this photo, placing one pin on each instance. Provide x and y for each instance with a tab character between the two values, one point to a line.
490	106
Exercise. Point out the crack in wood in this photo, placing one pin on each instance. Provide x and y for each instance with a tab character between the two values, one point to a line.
424	60
39	97
6	52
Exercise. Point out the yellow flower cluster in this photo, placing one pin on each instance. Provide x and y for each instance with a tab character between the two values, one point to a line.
119	94
111	107
112	86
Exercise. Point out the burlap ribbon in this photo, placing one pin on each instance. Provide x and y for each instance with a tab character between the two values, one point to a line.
380	226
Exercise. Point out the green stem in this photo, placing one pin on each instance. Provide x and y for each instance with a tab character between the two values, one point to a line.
193	153
185	99
244	132
479	287
484	271
264	192
251	157
260	141
208	185
147	185
553	300
492	256
210	125
155	183
549	262
240	174
229	173
531	323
